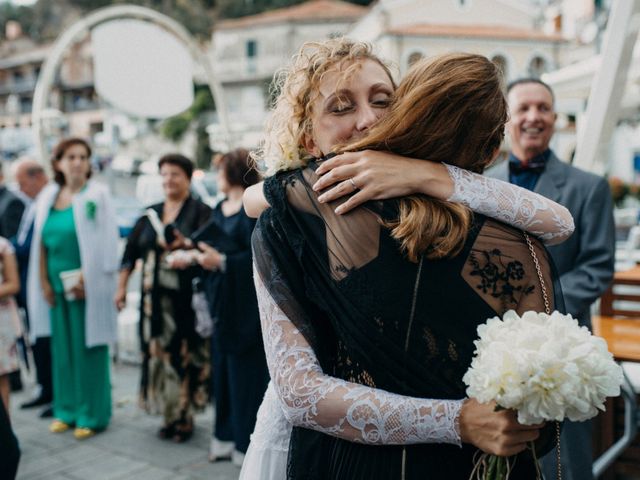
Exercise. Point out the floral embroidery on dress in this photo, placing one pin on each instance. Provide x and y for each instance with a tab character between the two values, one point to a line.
9	324
499	277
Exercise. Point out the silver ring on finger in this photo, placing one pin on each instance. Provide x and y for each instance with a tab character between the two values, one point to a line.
353	184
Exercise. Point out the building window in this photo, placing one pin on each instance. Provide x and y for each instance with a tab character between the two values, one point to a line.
18	77
501	62
26	104
252	49
413	58
538	66
252	53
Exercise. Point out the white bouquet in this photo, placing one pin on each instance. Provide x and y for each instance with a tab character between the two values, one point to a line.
546	367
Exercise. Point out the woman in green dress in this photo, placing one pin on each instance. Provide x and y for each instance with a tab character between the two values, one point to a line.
72	279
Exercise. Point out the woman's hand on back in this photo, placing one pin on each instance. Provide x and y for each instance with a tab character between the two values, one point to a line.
375	175
495	432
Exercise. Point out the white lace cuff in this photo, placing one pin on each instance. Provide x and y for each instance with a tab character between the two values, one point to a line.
351	411
511	204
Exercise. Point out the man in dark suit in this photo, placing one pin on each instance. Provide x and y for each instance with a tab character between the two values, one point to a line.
11	209
585	261
31	179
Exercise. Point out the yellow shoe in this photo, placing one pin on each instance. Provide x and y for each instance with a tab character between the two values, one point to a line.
83	433
58	426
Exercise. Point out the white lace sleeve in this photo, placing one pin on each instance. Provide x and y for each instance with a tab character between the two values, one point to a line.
511	204
346	410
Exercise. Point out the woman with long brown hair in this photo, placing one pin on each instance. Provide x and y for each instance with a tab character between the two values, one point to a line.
389	296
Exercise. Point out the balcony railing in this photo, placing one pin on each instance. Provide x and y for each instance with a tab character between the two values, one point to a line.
244	68
21	86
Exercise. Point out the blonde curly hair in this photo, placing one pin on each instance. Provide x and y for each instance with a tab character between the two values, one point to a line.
297	86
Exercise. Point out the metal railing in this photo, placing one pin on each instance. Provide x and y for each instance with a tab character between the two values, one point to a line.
630	429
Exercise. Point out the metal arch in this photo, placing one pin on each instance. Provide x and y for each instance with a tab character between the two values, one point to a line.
84	26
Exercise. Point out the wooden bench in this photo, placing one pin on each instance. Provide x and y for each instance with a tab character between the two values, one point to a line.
619	324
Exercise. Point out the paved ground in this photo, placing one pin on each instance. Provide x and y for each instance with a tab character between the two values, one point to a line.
128	449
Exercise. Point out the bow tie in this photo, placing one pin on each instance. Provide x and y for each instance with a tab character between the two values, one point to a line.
534	166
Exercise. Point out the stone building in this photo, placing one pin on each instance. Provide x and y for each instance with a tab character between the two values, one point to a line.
73	102
246	53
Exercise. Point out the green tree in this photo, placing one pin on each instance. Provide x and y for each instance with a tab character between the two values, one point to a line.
174	128
21	14
196	15
45	19
241	8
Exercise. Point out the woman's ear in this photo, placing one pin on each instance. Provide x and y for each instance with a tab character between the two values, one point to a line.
310	145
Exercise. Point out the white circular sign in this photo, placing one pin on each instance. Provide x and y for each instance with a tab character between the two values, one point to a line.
142	69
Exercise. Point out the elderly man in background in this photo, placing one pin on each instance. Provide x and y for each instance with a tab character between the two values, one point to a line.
585	262
31	179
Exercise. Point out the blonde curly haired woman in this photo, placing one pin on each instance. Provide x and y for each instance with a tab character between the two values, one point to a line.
333	93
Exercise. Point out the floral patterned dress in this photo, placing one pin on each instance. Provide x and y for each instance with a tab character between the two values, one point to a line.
9	320
176	368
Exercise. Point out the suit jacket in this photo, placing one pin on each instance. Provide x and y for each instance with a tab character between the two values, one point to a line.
11	208
585	261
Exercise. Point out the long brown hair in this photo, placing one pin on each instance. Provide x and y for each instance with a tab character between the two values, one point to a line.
448	109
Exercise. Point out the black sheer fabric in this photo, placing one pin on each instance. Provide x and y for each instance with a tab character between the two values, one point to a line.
372	317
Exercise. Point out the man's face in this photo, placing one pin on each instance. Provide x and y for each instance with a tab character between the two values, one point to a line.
532	118
30	183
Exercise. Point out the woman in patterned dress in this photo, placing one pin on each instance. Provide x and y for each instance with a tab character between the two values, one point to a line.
9	323
175	368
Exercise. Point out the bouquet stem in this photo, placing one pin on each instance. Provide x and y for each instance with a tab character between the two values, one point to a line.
493	467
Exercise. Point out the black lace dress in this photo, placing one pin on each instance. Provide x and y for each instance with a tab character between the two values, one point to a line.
375	318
